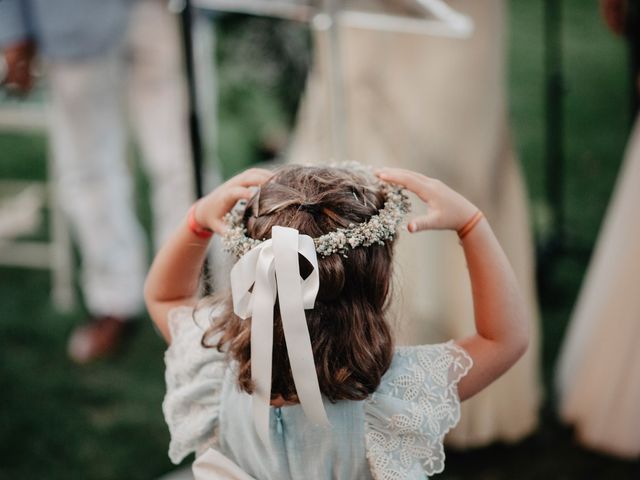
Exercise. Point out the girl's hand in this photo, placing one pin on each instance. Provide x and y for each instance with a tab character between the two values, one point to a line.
211	208
501	317
447	209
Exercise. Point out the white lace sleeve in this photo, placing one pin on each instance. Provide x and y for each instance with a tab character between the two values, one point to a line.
416	404
194	377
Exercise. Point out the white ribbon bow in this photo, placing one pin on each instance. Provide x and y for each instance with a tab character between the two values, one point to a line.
272	269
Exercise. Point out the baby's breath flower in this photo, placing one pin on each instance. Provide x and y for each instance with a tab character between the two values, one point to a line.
376	230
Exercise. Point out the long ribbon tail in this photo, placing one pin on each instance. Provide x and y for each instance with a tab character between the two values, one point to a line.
262	342
265	272
285	248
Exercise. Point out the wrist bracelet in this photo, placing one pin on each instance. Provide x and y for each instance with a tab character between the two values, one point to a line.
195	227
471	223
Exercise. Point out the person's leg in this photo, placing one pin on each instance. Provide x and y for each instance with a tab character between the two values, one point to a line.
158	101
95	189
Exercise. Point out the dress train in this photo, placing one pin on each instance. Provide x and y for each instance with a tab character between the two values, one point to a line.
598	375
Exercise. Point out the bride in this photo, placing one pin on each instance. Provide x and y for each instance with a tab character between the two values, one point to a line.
437	106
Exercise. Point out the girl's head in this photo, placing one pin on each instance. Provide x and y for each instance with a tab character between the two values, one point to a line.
351	341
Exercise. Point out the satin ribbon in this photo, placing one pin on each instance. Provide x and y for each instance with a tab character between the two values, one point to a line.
270	271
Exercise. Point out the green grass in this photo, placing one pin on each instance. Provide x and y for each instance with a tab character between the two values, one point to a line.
103	421
61	421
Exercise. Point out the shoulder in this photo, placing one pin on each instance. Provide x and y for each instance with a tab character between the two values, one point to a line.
186	352
443	364
415	405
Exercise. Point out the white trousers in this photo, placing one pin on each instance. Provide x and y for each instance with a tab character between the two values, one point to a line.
89	143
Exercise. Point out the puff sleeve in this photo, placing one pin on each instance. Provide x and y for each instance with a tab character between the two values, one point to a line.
194	376
416	404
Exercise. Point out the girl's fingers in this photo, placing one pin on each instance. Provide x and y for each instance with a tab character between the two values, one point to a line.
218	226
252	177
432	220
419	224
222	203
235	193
413	181
226	201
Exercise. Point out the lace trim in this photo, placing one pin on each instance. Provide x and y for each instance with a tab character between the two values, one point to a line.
194	377
409	415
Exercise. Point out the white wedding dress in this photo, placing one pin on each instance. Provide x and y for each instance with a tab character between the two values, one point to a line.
598	374
437	106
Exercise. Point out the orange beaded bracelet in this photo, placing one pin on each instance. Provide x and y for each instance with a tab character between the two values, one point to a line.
195	227
471	223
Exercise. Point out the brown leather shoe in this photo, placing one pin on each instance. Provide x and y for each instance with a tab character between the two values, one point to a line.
98	338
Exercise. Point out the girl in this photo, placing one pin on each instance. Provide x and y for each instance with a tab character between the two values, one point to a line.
284	393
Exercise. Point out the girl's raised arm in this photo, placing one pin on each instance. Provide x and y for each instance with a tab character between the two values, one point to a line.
502	334
173	279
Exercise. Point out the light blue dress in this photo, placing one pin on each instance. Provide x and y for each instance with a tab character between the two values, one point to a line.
394	434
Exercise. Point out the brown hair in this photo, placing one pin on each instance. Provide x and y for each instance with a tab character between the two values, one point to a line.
351	340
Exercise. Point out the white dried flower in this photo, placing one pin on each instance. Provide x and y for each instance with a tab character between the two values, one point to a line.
376	230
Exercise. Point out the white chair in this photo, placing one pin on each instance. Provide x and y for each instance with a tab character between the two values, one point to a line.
21	211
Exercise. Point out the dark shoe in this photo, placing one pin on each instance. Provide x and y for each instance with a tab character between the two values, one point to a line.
98	338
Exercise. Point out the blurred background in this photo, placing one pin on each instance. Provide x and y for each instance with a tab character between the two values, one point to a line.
103	420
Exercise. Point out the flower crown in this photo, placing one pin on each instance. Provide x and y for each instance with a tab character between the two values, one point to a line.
376	230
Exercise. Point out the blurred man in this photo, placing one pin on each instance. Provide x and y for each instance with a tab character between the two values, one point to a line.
98	56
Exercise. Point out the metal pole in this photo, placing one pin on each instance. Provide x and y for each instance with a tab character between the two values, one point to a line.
263	8
194	123
633	35
186	17
552	242
554	118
